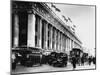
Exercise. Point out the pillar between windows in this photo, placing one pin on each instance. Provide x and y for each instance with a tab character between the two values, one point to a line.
46	36
51	31
40	34
16	30
31	30
73	43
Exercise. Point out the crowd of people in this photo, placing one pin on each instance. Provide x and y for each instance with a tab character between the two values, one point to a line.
81	61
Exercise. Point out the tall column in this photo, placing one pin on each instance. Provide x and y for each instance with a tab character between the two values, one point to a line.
70	43
49	36
73	43
51	31
61	42
43	34
58	40
53	38
67	45
64	43
39	32
46	36
31	30
16	30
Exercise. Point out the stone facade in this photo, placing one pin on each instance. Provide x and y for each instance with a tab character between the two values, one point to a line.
34	24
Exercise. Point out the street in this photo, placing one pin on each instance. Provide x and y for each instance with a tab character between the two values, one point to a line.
47	68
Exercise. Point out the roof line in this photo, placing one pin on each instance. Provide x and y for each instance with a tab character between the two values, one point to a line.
61	21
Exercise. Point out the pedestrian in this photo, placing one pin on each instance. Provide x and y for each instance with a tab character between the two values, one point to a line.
74	62
94	60
82	61
89	60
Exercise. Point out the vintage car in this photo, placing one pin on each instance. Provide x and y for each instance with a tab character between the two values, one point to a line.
77	53
57	59
52	58
26	56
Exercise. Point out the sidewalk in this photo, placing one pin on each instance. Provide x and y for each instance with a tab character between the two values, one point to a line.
86	66
47	68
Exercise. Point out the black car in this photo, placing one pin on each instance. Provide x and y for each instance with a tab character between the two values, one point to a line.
26	56
52	58
57	59
77	53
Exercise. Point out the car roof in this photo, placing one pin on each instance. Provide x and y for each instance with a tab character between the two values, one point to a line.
76	49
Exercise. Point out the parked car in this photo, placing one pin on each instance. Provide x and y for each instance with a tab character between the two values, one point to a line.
57	59
52	58
77	53
26	56
45	57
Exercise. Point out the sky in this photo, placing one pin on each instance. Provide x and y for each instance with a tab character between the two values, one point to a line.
83	17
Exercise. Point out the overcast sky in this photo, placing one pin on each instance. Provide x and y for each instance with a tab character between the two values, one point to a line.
84	19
